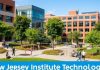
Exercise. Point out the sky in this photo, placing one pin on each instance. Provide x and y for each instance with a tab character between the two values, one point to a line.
61	7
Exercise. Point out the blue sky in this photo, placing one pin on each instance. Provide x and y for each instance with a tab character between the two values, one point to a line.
61	7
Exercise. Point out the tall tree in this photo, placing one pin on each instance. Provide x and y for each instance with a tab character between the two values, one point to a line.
97	26
6	30
74	36
54	29
21	24
93	37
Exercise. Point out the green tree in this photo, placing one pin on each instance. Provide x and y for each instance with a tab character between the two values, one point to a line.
21	25
6	30
54	29
93	37
70	37
32	35
74	36
97	26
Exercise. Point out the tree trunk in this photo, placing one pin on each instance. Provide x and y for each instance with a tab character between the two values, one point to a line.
53	44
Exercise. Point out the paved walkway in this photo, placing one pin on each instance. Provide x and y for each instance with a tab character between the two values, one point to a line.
38	53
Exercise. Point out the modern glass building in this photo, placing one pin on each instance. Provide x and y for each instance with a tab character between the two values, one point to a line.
36	15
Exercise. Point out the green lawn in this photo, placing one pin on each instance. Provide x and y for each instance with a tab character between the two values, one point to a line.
27	59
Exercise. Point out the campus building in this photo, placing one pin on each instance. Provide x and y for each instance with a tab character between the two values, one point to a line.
84	23
7	9
34	13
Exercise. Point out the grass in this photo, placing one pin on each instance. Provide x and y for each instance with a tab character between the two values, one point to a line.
52	52
2	50
27	59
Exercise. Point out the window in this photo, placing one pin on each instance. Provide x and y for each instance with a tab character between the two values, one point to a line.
64	30
1	17
87	23
63	18
65	24
93	23
80	40
75	18
8	8
75	29
80	23
93	17
74	23
80	17
69	18
86	30
69	24
86	17
1	7
8	19
81	35
81	30
69	30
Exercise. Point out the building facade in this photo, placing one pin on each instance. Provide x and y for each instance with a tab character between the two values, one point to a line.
84	23
34	13
7	9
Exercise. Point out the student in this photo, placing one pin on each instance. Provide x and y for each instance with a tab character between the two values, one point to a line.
7	55
83	54
13	51
79	55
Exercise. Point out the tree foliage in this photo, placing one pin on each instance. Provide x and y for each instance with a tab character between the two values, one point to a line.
21	24
93	37
6	30
97	26
54	28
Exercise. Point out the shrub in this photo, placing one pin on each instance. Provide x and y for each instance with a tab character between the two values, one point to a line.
2	50
14	44
52	52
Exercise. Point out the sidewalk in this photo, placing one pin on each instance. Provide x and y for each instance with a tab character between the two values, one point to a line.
38	54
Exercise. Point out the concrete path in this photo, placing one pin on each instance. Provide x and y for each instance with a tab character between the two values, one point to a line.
38	54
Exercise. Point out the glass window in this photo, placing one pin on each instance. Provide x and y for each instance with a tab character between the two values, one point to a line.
69	30
75	29
64	30
63	18
8	8
87	23
74	23
80	17
81	23
93	17
93	23
1	7
69	18
75	18
1	17
86	17
69	24
87	30
81	35
80	40
8	19
65	24
81	30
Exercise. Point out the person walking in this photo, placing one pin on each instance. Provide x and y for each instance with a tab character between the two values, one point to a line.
79	55
83	55
13	51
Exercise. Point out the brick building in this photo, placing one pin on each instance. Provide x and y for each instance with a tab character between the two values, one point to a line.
7	9
74	21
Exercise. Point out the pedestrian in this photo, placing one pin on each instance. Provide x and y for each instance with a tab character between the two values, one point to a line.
83	55
7	55
79	55
13	51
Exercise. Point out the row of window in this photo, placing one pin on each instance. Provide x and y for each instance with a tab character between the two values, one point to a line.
81	30
31	14
8	8
8	18
82	17
81	23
